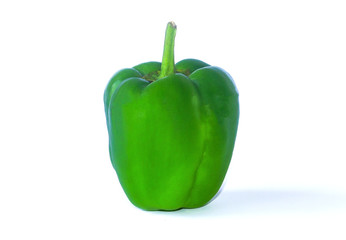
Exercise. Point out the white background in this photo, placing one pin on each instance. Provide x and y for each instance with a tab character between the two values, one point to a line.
287	175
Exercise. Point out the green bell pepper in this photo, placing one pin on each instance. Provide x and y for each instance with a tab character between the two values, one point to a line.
172	129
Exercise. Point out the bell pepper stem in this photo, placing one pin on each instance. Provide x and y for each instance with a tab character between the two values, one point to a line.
167	66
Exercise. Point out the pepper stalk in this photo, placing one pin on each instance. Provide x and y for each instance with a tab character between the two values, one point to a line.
168	66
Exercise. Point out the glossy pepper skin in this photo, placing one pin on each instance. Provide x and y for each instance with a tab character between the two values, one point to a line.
171	137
